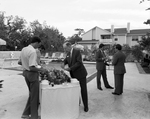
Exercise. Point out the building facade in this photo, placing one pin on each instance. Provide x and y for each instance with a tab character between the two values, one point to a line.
122	36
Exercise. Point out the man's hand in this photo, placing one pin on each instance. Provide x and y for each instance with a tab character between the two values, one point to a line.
19	62
67	69
44	70
62	66
104	58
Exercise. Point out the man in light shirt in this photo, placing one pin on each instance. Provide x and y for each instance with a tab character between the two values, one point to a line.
28	59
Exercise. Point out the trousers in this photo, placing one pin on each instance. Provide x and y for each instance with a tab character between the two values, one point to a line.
32	81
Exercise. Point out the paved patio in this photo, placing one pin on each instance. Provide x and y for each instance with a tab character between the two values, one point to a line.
133	104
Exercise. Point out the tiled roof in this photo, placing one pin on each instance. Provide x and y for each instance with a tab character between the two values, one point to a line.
118	30
123	31
134	31
139	31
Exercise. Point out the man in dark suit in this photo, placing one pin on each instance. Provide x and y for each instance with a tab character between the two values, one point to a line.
77	70
119	69
1	83
101	68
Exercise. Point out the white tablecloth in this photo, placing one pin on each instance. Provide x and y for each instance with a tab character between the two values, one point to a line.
60	101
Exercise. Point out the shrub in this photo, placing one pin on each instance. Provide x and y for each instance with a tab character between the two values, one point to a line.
137	52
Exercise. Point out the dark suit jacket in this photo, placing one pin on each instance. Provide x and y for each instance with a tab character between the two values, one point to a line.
118	62
100	65
75	63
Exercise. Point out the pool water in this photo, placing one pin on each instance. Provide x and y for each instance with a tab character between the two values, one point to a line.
13	65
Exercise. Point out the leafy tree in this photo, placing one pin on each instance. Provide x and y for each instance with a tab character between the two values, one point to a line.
145	42
75	38
52	39
137	52
111	49
17	35
37	28
148	20
55	39
80	31
10	29
2	25
25	36
126	49
86	50
93	48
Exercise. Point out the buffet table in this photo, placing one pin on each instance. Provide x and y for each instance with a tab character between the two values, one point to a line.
60	101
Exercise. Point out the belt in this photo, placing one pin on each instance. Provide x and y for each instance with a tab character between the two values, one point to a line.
32	71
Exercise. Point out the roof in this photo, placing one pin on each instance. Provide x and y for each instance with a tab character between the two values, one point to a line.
118	30
123	31
94	28
140	31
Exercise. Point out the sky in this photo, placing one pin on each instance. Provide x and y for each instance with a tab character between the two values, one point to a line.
67	15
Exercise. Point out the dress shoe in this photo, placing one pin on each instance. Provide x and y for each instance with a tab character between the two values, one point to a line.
28	117
100	88
1	85
39	117
25	117
109	87
1	81
86	109
106	64
115	93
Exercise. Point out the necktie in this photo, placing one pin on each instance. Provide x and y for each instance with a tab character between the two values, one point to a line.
103	53
69	54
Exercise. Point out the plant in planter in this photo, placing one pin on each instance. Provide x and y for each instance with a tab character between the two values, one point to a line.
55	76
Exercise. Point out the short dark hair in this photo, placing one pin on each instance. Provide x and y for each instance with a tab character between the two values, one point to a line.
101	45
146	55
119	47
68	43
35	39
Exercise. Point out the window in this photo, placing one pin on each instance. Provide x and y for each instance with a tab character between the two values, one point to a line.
134	38
116	39
105	37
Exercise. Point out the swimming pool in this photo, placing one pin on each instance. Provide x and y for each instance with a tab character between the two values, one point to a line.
12	64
